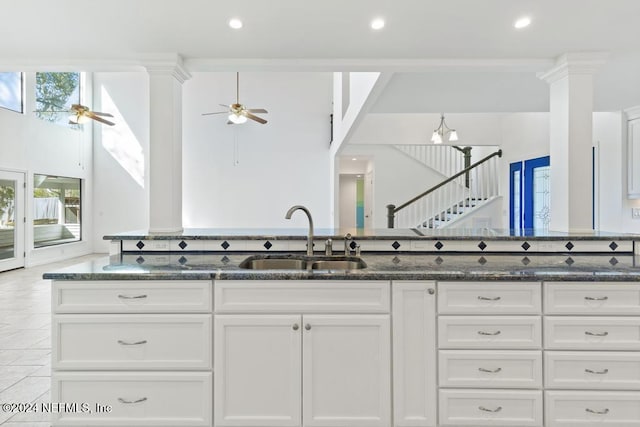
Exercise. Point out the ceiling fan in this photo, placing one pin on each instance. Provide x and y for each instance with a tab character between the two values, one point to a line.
237	112
81	114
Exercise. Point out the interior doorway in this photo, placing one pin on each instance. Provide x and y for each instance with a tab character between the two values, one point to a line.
12	200
355	189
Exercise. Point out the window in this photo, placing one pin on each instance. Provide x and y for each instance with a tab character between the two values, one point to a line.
11	91
57	206
55	92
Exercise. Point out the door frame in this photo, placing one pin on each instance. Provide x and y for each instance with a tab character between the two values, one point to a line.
515	167
527	194
18	261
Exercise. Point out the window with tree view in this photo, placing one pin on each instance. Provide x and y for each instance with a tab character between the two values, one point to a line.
11	91
57	210
55	93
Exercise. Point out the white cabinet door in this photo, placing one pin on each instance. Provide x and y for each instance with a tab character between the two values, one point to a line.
346	370
414	354
257	370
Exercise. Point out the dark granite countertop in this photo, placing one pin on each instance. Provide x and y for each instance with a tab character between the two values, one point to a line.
385	233
394	266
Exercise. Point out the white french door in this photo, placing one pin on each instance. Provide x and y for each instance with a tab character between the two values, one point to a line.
12	200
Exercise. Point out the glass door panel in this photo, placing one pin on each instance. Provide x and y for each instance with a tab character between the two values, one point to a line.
11	220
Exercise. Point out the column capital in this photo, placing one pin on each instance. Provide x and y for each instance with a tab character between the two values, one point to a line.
166	64
574	63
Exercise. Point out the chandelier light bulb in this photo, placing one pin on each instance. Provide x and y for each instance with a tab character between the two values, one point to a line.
436	138
453	136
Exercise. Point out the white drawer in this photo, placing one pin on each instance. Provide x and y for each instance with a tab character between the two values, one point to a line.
592	333
592	370
490	368
489	298
134	341
512	408
301	296
584	408
592	298
131	296
163	399
489	332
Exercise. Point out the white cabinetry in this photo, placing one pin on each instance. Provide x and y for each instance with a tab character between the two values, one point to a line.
141	347
633	152
314	366
490	371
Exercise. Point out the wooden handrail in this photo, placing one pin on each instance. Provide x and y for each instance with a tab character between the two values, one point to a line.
392	209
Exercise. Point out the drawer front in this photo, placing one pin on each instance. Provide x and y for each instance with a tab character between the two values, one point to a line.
592	370
592	298
489	298
143	341
512	408
132	296
304	296
489	332
574	409
136	398
490	369
592	333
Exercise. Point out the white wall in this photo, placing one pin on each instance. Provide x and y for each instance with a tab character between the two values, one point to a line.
348	194
33	146
249	175
121	155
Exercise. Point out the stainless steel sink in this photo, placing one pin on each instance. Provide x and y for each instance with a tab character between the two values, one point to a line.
338	264
302	262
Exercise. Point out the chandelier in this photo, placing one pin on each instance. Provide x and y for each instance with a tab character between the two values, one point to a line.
443	133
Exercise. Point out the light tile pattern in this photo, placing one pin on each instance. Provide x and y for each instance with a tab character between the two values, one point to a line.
25	341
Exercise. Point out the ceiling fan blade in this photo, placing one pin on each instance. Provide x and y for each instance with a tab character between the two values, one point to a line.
252	117
217	112
98	119
97	113
257	110
225	106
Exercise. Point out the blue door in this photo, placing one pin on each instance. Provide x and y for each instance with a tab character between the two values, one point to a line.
529	188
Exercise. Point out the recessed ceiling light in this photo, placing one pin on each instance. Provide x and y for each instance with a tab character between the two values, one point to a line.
377	24
353	158
523	22
235	23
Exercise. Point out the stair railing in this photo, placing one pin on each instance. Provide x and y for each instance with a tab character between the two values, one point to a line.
457	192
445	159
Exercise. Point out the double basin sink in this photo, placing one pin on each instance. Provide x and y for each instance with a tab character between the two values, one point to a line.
302	262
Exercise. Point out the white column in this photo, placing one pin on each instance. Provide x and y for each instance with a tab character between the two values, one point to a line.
166	76
571	140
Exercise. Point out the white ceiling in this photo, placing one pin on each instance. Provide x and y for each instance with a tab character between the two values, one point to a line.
327	29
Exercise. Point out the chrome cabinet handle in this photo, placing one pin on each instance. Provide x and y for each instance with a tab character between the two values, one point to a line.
491	371
307	327
131	297
498	409
489	333
481	298
132	343
596	298
603	372
596	334
129	402
605	411
296	326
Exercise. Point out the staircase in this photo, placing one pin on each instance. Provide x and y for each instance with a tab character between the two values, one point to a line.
451	199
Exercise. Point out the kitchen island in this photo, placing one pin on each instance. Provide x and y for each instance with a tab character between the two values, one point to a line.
478	335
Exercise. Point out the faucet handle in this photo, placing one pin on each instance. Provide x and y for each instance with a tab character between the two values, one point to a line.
328	249
357	250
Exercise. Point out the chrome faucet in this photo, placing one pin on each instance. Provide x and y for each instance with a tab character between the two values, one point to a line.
310	236
347	242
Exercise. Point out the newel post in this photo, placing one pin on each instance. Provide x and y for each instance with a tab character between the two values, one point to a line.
391	215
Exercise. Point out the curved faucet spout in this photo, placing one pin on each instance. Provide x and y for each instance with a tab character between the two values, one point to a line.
310	236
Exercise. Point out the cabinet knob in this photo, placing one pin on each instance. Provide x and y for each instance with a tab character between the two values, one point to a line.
307	327
296	326
431	291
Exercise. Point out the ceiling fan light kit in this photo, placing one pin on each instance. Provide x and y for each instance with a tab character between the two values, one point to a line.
238	113
80	114
443	132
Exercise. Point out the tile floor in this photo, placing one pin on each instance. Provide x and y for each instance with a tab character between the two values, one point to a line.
25	340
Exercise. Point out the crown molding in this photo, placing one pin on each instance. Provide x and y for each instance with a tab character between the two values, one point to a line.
574	64
632	112
163	64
